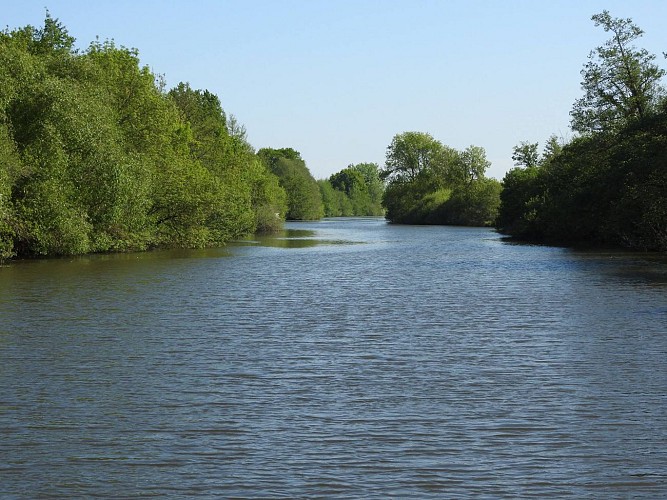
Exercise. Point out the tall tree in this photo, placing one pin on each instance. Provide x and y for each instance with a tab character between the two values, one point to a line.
409	154
620	82
473	163
525	154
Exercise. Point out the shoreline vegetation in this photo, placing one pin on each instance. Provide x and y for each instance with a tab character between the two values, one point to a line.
97	156
607	187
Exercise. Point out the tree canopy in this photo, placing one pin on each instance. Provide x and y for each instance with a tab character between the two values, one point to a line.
620	82
430	183
609	185
354	191
304	201
95	156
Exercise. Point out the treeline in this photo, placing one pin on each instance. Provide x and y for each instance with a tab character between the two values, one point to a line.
304	201
354	191
431	183
96	155
608	186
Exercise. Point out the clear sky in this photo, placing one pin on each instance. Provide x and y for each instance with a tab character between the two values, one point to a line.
337	79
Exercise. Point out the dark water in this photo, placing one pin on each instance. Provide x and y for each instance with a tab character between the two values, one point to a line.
347	359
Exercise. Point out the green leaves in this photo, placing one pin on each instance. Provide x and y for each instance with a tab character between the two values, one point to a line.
409	154
304	200
355	190
620	82
430	183
608	186
94	156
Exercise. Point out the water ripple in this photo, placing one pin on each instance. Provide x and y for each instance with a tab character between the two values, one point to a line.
415	363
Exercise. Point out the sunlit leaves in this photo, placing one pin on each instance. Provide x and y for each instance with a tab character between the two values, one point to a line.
355	190
430	183
95	156
621	83
304	201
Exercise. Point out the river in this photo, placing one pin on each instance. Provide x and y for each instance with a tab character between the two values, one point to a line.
345	358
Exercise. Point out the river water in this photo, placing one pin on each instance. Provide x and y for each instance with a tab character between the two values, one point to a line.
341	359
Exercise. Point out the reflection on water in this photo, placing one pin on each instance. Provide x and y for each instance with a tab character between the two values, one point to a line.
291	238
411	362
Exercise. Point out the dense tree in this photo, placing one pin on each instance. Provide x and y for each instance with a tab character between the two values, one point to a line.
335	202
525	154
472	165
520	201
607	187
475	204
620	82
96	156
552	148
304	200
409	154
10	166
351	182
354	191
430	183
255	201
374	185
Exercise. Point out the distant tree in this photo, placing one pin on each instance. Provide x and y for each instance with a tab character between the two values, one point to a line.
329	198
352	183
270	156
304	199
526	155
475	204
335	202
430	183
374	185
552	148
473	164
347	180
354	191
409	154
620	82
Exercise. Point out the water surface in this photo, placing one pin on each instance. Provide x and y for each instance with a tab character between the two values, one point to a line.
339	359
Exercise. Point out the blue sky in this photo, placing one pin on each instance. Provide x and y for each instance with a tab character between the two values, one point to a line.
337	79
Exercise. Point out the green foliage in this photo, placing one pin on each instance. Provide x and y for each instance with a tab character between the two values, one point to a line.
335	203
304	200
9	168
473	205
95	156
620	82
526	155
354	191
410	154
522	196
430	183
520	200
269	199
472	165
607	187
374	186
359	185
